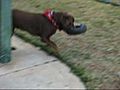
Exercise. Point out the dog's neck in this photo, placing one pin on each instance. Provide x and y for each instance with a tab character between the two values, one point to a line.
57	19
54	18
50	16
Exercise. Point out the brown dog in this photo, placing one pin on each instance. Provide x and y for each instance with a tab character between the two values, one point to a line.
43	25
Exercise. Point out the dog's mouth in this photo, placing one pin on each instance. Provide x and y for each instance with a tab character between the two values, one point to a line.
78	29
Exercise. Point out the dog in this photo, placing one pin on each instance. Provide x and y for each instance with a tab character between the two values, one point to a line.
43	25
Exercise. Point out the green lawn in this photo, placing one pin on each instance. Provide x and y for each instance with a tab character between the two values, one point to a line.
93	56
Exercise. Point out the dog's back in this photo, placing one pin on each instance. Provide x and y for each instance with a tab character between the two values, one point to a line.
23	20
34	23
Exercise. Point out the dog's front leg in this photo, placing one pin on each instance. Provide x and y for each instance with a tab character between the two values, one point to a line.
50	43
53	44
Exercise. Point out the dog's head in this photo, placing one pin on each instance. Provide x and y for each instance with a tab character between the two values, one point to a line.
64	20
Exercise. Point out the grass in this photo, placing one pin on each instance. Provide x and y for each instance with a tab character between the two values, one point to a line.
93	56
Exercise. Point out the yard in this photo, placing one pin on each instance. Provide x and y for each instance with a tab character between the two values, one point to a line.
93	56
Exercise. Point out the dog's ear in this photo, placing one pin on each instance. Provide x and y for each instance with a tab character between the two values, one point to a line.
67	19
64	20
64	15
61	20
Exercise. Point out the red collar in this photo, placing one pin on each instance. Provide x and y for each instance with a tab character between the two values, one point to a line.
49	15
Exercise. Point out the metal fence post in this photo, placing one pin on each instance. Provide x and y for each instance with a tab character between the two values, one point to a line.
5	31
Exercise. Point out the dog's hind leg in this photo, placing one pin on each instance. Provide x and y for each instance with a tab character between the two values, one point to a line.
13	48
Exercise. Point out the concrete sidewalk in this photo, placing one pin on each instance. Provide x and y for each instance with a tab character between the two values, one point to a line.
33	68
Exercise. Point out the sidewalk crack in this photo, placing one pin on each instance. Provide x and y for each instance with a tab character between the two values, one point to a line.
48	62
